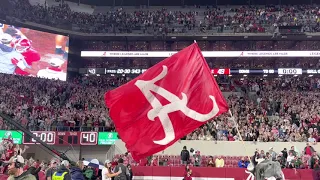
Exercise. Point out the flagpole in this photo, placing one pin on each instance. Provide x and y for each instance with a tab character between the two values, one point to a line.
240	137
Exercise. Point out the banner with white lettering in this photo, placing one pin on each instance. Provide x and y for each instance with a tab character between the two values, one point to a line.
163	54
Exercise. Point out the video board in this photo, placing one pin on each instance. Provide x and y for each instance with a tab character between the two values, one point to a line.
33	53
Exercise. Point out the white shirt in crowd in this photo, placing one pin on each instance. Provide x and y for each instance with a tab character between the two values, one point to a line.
104	173
311	139
290	158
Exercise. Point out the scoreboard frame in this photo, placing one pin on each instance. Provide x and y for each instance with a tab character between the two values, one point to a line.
62	138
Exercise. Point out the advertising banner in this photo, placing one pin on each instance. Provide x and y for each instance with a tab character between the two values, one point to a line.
163	54
15	135
107	138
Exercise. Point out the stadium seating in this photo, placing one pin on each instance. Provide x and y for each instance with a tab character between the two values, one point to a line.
165	20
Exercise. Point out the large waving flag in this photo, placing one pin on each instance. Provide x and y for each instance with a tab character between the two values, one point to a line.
165	103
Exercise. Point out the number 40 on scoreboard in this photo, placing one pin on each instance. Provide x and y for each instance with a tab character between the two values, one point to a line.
88	138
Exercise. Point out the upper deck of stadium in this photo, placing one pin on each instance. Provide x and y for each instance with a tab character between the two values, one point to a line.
179	19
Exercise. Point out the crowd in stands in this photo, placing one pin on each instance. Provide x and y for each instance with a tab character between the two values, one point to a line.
39	104
282	109
288	158
42	170
292	158
274	109
163	21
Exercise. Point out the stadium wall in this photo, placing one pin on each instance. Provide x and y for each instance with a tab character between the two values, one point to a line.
208	173
228	148
176	173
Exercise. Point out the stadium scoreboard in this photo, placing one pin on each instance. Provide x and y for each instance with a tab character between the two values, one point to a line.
216	71
61	138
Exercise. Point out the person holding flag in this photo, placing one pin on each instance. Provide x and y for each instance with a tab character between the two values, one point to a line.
151	124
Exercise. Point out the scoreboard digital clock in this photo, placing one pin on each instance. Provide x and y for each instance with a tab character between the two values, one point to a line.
58	138
48	137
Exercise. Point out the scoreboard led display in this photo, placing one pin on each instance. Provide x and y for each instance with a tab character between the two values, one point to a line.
58	138
88	138
215	71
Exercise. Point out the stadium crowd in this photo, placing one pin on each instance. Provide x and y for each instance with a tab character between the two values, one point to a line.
271	113
283	109
238	19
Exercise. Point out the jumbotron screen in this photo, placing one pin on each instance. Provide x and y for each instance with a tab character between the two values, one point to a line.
33	53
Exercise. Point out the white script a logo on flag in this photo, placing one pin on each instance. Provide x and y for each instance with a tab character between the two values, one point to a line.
176	104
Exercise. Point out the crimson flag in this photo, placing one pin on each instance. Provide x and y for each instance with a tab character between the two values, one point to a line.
165	103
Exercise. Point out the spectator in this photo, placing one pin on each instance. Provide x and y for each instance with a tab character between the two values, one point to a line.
268	156
16	170
314	160
197	159
211	163
107	173
242	163
309	150
185	155
255	157
154	161
188	173
281	160
292	150
298	163
52	169
290	158
89	173
62	172
284	153
273	154
192	151
312	139
76	172
35	169
122	169
219	162
262	154
130	175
